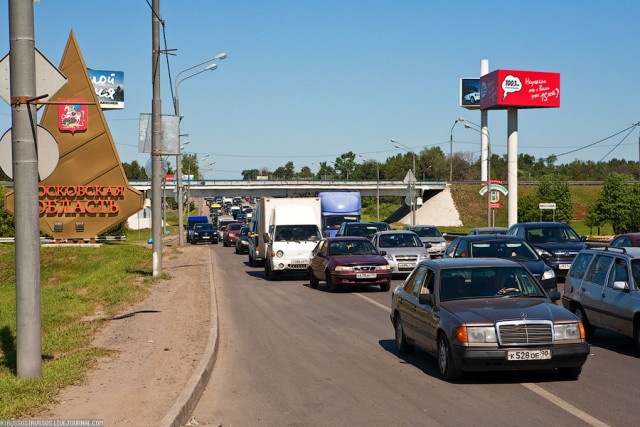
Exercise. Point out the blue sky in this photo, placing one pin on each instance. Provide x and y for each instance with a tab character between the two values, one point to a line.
308	80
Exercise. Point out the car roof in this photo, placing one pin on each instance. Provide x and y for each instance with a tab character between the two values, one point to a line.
493	237
444	263
542	224
633	252
350	238
387	232
634	235
421	225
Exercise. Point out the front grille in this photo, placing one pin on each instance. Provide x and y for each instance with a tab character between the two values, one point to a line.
406	257
525	332
365	267
298	265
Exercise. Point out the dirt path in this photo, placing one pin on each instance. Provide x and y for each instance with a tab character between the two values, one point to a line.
159	342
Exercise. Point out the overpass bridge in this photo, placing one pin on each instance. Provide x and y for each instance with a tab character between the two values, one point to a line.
292	188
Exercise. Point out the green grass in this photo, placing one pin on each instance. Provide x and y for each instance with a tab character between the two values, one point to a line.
80	288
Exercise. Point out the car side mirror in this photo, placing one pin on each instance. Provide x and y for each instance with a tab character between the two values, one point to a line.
266	238
425	299
621	286
554	295
583	238
383	253
544	256
427	245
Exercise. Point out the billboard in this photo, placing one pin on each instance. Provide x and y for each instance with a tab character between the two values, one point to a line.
109	87
503	89
470	93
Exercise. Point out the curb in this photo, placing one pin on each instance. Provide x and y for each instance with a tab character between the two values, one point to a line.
184	406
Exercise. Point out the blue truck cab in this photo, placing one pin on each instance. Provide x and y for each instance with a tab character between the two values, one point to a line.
339	207
194	220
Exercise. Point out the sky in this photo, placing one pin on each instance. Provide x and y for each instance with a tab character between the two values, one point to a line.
308	80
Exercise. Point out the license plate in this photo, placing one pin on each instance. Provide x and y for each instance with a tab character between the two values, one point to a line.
528	354
206	237
404	265
366	275
565	266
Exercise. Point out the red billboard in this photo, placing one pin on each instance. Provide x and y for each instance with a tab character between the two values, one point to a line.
502	89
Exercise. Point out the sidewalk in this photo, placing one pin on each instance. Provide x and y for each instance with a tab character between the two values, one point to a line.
164	351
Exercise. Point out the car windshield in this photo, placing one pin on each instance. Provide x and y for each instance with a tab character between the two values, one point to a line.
399	240
487	282
333	222
363	230
352	247
551	235
515	250
204	227
297	233
234	226
426	231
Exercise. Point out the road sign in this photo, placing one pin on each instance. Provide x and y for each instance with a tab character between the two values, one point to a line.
546	205
48	153
409	177
48	78
495	206
495	196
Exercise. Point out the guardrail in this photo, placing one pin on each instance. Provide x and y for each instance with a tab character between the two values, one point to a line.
51	240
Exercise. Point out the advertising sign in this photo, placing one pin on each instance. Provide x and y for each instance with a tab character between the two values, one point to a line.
503	89
109	87
470	93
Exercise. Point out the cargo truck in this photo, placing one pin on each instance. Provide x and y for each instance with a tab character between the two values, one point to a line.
339	207
287	230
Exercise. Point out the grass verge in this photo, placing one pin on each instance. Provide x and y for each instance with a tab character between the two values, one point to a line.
81	288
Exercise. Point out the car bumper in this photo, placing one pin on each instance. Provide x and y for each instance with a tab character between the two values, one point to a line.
560	266
562	356
351	279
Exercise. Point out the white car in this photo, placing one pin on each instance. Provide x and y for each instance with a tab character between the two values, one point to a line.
472	97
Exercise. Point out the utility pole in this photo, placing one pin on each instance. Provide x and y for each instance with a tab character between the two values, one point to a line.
25	176
156	149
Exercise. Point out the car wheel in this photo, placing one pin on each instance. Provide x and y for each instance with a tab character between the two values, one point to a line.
330	285
447	370
268	272
582	316
636	334
572	372
236	249
384	287
401	341
313	280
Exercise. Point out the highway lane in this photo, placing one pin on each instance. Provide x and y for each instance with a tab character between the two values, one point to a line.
292	355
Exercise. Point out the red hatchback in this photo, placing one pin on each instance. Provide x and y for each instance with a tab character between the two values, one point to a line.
348	261
231	234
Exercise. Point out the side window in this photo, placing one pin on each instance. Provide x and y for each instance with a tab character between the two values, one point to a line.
619	273
452	247
461	250
427	287
414	282
599	268
579	265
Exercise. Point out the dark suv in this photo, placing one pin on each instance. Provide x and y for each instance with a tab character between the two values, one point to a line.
556	243
602	290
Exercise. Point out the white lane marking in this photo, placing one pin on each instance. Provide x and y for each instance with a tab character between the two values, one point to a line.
565	405
376	303
562	404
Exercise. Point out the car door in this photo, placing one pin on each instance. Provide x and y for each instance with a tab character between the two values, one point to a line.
319	260
426	319
592	287
408	303
616	305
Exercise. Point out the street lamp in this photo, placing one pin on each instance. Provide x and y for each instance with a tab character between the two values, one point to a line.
176	106
413	182
377	186
477	128
460	119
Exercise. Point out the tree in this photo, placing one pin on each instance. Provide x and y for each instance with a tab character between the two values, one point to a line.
528	208
305	173
325	171
190	165
7	223
249	174
134	171
345	164
555	189
616	202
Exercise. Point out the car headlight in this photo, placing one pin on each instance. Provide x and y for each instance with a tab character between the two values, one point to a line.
387	256
568	331
383	267
195	233
279	254
548	274
476	334
424	256
344	268
542	252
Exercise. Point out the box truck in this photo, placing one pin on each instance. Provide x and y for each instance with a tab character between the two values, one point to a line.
339	207
288	229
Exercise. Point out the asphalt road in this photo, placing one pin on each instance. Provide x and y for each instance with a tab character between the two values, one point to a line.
295	356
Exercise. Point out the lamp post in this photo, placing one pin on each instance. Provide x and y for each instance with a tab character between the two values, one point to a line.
413	182
377	186
451	148
176	106
480	130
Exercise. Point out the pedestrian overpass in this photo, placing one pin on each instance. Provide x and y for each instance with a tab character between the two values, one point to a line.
291	188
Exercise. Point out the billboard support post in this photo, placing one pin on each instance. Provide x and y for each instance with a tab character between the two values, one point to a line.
512	165
484	135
